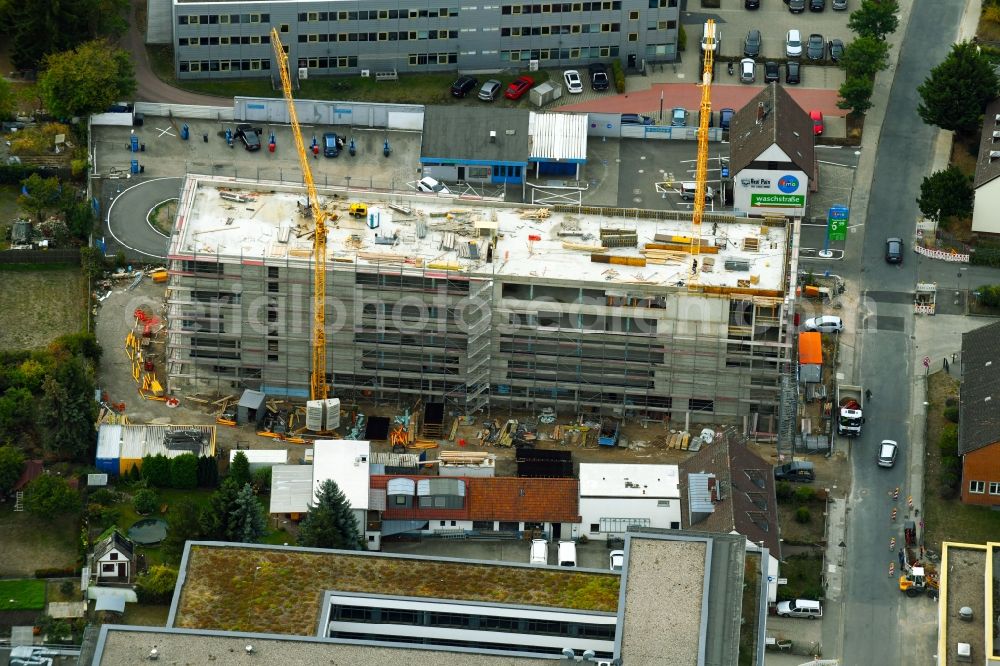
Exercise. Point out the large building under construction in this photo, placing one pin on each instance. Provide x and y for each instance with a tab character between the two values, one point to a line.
483	305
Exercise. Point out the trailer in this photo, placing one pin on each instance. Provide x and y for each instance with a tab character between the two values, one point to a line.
850	410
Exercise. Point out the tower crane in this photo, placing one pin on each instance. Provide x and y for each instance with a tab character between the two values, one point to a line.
701	170
317	382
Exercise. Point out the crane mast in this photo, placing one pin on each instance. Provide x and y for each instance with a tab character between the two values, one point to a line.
317	382
701	170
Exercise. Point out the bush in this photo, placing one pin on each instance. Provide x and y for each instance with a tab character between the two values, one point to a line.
184	471
804	494
949	441
145	501
985	256
104	496
56	572
783	490
262	480
157	586
682	38
802	515
156	470
66	588
951	413
950	477
988	295
618	74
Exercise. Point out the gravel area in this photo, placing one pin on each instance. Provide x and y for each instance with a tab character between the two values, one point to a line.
966	571
658	627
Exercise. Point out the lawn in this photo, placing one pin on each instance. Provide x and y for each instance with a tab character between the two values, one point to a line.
143	615
22	595
948	519
804	574
278	591
792	531
29	543
57	305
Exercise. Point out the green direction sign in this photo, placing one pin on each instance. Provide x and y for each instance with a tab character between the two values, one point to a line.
837	223
777	200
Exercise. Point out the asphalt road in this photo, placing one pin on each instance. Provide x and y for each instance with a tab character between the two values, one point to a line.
126	226
872	633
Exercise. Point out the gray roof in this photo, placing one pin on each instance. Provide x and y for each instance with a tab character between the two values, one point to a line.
463	133
771	117
291	488
113	541
979	410
987	169
252	399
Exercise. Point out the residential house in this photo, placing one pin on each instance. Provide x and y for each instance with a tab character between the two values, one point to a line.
614	497
985	215
979	416
114	559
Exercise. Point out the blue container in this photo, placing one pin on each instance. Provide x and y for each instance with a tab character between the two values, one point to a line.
135	166
135	144
109	465
185	132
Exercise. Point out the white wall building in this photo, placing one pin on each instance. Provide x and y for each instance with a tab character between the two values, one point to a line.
346	462
260	458
985	215
615	496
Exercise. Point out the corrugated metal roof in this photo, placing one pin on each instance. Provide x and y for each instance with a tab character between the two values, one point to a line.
401	487
558	137
109	442
699	495
291	488
376	499
142	440
275	456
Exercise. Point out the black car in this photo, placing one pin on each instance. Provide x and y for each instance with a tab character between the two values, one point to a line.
796	6
792	75
836	50
599	76
771	71
725	118
817	5
751	44
463	86
331	144
894	250
751	4
248	135
815	47
803	471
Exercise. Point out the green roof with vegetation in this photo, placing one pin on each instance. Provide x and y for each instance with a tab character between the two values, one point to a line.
280	590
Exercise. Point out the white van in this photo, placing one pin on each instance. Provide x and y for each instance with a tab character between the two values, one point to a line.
539	551
567	553
688	190
800	608
705	35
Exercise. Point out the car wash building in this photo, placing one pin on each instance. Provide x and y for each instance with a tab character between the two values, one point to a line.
772	159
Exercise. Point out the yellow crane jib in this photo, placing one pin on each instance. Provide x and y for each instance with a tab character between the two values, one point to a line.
317	382
701	171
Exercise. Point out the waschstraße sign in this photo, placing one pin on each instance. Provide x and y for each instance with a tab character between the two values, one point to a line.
777	200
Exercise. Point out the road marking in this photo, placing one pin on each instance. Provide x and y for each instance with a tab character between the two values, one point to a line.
111	207
154	208
165	130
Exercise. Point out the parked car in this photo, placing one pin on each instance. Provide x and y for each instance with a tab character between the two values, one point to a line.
748	70
490	90
678	117
463	86
751	44
796	6
836	48
824	324
771	71
599	76
816	47
331	147
751	4
792	75
567	553
518	87
894	250
616	560
428	184
798	470
248	135
636	119
689	189
573	83
800	608
711	118
726	118
887	453
817	5
539	552
817	118
839	5
793	44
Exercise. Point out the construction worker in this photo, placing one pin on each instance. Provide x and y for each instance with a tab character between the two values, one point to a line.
868	395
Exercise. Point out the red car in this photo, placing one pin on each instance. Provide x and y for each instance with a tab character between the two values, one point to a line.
817	118
519	86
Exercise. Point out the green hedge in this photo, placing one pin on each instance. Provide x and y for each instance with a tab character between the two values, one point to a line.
619	76
986	256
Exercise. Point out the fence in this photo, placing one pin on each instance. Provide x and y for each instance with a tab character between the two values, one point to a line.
943	255
61	256
219	113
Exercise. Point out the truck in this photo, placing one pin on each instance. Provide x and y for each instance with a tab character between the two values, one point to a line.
850	410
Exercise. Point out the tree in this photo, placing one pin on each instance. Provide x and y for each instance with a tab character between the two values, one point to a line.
246	520
41	27
208	472
156	470
80	220
184	526
214	519
17	412
262	480
184	471
955	93
11	466
157	586
875	18
145	501
68	410
8	100
40	195
239	470
856	94
330	524
865	57
88	79
945	194
50	497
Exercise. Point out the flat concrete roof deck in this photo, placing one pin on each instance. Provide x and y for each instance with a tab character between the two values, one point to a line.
236	220
964	585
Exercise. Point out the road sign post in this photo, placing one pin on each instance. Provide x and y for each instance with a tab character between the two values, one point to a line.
927	365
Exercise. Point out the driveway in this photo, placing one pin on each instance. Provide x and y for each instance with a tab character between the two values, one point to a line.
127	223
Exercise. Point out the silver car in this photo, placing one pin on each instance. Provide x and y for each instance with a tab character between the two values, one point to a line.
887	451
748	70
490	90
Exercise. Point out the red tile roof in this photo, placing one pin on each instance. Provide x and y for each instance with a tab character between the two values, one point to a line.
379	482
529	500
